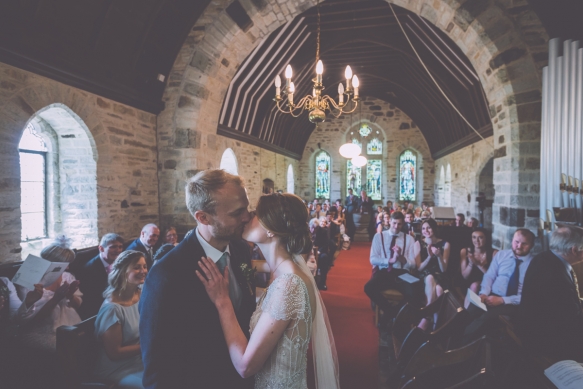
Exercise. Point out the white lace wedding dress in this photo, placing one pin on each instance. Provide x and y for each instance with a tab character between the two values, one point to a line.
286	298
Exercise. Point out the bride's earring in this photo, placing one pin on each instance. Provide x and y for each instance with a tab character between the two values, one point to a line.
269	234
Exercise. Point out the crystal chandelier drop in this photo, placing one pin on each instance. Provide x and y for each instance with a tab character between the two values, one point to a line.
317	104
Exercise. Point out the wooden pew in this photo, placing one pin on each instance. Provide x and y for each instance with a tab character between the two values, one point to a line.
466	367
77	353
407	337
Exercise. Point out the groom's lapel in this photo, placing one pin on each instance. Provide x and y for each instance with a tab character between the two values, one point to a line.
236	262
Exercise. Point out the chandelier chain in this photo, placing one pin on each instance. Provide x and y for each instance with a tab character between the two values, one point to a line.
318	33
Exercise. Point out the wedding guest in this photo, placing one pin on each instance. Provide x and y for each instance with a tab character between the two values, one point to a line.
408	225
163	250
384	224
58	303
171	236
352	205
312	263
12	309
146	242
476	259
460	220
473	223
119	358
431	257
93	276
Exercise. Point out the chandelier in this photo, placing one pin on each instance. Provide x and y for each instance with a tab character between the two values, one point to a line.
316	103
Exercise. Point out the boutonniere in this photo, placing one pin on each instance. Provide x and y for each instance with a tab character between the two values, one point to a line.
249	274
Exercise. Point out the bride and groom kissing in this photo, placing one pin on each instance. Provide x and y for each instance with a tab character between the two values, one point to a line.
199	324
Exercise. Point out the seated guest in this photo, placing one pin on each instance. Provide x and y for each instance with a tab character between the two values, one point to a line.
146	242
117	325
385	223
12	309
312	264
93	276
501	287
473	223
408	225
171	236
318	213
392	253
425	215
476	259
378	214
431	257
162	251
460	220
550	316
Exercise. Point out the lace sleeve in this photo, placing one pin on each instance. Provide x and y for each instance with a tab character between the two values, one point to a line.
286	298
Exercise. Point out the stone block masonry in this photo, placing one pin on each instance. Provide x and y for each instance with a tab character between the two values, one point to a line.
102	161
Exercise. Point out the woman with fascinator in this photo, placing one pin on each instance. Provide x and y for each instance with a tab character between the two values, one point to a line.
289	314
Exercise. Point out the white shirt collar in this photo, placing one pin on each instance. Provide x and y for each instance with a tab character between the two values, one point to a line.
105	264
209	250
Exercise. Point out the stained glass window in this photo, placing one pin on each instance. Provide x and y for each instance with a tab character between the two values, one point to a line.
357	142
373	178
322	175
364	130
374	147
353	179
407	174
32	150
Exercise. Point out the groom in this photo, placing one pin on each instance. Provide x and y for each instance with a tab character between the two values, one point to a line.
182	342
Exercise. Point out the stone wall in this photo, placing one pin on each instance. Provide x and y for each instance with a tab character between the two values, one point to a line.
466	166
397	132
117	140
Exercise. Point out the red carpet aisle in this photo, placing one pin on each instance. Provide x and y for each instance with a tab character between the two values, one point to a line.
351	318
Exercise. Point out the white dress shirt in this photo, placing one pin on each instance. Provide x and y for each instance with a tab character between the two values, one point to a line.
377	255
215	255
498	276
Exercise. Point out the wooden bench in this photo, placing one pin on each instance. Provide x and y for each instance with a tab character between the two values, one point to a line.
466	367
407	337
394	297
77	353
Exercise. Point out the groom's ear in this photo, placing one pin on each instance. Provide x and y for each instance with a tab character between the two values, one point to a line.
201	217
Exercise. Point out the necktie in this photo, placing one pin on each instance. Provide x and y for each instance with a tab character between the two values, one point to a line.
513	283
391	252
222	262
574	277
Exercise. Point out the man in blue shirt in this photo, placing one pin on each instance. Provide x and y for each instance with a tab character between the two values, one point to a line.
502	284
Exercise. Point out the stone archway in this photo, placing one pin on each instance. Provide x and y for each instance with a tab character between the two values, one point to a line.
486	193
493	35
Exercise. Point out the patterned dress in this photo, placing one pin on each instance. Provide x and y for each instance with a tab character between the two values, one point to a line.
286	298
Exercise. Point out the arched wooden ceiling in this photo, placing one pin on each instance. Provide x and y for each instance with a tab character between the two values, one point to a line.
366	36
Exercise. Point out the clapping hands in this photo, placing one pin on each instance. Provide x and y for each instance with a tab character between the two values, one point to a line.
396	253
34	295
66	290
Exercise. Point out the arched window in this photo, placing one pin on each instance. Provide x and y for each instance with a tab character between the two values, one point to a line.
357	142
290	179
373	178
353	177
374	147
229	162
33	199
407	176
322	175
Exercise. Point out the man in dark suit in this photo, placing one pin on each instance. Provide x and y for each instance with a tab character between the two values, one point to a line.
352	205
550	315
146	242
93	276
183	345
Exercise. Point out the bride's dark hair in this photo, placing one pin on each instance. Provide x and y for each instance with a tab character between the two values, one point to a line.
286	216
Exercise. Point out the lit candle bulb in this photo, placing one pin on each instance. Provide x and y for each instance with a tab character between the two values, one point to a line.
277	85
319	71
355	84
290	96
348	75
288	75
341	93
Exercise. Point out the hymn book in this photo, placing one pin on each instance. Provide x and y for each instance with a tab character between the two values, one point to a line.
473	302
566	375
35	270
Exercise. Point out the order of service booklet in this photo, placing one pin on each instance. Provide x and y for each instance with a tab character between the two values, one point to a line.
35	270
474	302
566	375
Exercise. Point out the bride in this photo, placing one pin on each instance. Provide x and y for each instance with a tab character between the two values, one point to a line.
290	312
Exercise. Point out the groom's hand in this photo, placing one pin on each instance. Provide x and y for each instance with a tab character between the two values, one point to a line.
216	285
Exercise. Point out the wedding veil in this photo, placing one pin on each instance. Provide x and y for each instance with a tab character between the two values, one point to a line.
323	346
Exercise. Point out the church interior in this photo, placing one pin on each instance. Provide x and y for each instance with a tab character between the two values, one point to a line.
449	110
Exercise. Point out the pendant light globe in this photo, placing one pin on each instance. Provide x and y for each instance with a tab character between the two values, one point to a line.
349	150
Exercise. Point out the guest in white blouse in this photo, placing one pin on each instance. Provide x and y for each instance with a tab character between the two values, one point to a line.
56	307
117	323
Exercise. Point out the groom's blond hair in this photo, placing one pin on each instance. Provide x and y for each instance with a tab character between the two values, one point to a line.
200	189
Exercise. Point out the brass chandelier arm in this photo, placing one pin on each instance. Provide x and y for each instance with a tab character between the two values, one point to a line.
341	109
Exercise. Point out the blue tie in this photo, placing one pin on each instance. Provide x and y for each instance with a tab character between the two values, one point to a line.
513	282
222	262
